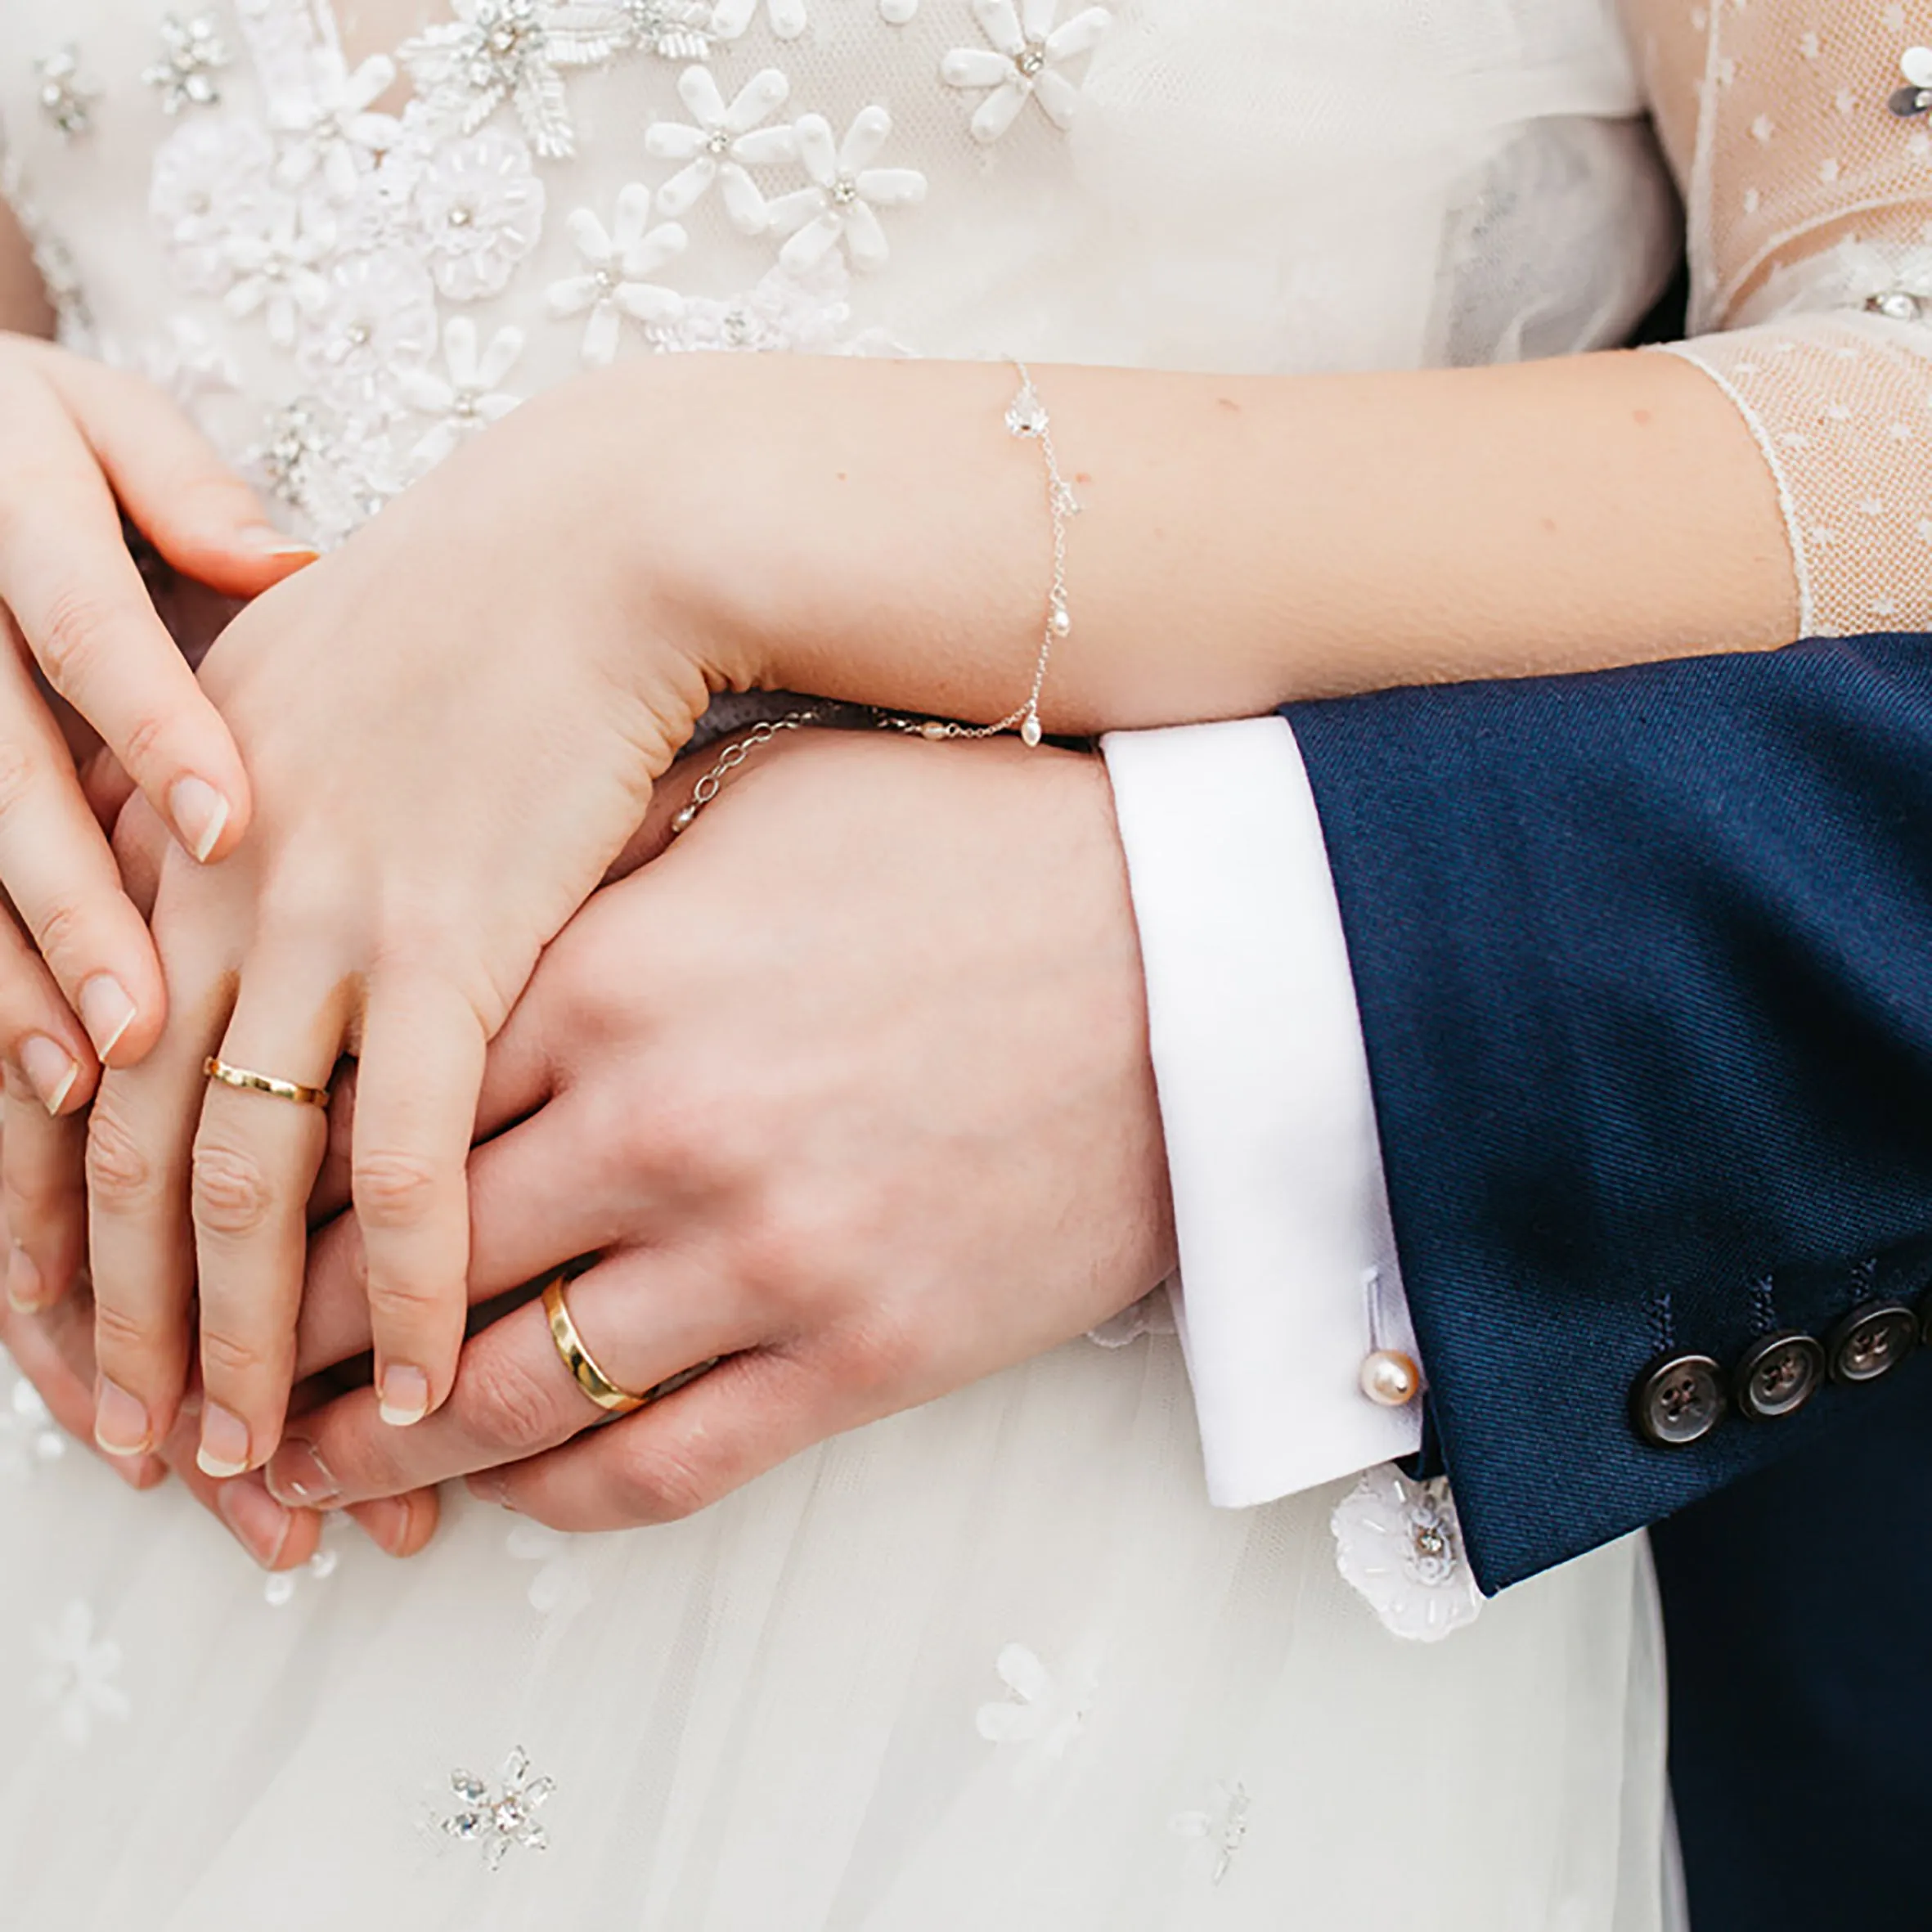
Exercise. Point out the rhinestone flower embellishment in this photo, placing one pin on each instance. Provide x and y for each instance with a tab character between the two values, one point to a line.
66	95
499	1816
1399	1546
192	53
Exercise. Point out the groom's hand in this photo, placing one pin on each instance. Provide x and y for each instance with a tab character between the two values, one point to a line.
851	1088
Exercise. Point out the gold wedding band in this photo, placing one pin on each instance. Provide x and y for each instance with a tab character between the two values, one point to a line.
264	1083
583	1368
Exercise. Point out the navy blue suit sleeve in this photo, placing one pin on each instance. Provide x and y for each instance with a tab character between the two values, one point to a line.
1644	960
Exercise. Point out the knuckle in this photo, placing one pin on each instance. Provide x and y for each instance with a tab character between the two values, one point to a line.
662	1482
229	1193
878	1353
120	1177
393	1189
125	1334
58	930
229	1358
18	772
509	1408
403	1303
74	636
141	742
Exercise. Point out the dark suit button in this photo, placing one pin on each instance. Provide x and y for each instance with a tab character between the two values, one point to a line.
1779	1374
1872	1341
1678	1400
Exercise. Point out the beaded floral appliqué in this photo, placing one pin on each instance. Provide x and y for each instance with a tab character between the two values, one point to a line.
500	1816
192	55
1399	1546
66	95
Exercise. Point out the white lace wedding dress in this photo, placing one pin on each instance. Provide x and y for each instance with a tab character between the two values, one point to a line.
996	1664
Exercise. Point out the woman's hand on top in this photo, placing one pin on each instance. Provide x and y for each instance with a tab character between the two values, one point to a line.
88	668
452	725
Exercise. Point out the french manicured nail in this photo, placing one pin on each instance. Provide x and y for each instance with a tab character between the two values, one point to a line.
488	1487
106	1011
298	1475
50	1069
266	541
405	1396
261	1522
121	1425
224	1442
200	813
24	1288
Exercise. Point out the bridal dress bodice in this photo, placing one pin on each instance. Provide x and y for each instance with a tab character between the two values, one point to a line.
994	1662
347	238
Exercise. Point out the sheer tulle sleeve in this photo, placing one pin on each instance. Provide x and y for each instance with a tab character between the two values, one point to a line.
1801	132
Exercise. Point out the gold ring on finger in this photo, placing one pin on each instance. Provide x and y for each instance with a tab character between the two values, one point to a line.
584	1370
250	1082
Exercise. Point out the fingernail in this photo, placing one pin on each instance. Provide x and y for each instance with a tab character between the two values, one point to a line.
266	541
106	1011
224	1442
24	1288
121	1426
298	1475
200	813
50	1070
405	1397
388	1524
488	1488
261	1523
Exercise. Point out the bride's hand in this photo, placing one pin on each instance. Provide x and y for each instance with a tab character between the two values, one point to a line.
452	725
86	661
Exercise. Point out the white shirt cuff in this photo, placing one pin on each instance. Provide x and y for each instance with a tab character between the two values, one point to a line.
1287	1258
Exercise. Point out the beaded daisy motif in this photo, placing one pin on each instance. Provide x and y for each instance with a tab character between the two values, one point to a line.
499	1816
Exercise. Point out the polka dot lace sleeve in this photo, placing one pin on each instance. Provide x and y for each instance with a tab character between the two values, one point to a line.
1801	135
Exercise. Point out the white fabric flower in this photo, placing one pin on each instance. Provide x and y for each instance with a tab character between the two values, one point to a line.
188	362
1043	1713
469	395
731	17
480	207
1398	1544
512	50
847	192
210	182
1024	61
29	1437
804	314
376	323
561	1585
621	260
279	1590
723	142
77	1674
277	271
329	132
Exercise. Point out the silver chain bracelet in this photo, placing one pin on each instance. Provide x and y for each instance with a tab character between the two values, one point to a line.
1027	418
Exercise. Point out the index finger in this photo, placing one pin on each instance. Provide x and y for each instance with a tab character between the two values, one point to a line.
76	595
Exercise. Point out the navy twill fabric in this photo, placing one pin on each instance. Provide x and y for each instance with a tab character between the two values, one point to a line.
1644	960
1801	1752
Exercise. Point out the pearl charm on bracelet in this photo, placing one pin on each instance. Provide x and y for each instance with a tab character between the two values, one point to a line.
1390	1377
